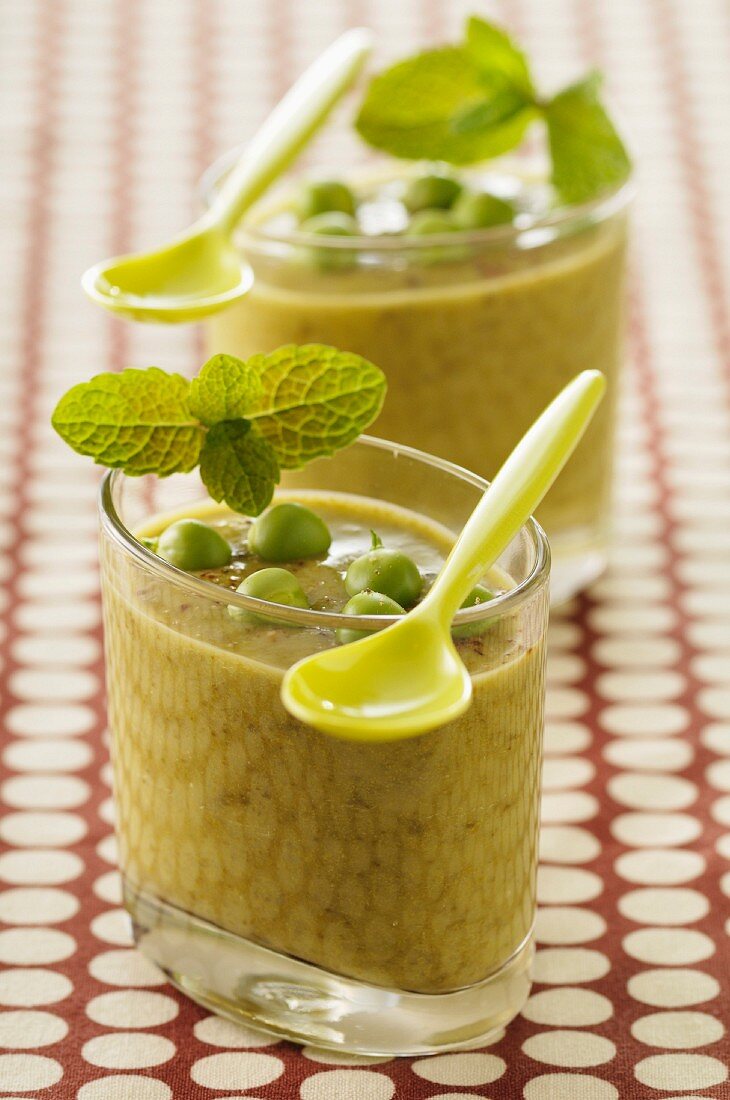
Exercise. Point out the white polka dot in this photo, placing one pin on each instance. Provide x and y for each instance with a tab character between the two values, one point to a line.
640	687
48	829
48	721
123	1086
566	737
569	965
107	811
678	1030
636	652
26	1072
644	830
44	792
42	867
652	792
108	887
716	738
659	867
565	668
567	807
114	926
564	635
127	1050
125	967
672	988
694	1071
568	1007
718	775
664	907
58	755
132	1008
715	702
565	925
577	1086
460	1069
644	721
24	1030
578	1049
625	619
709	633
562	772
224	1033
37	649
236	1071
565	702
567	885
567	844
341	1058
722	845
344	1084
107	849
649	754
720	810
24	987
58	618
37	906
20	946
712	667
46	686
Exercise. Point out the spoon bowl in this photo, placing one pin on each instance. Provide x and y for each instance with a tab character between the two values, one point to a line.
408	678
399	683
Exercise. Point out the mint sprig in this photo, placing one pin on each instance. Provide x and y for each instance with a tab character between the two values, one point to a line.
240	421
466	103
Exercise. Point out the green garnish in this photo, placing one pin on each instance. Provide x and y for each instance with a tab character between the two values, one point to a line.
241	422
466	103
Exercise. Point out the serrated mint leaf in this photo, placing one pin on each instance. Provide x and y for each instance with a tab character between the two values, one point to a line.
587	153
315	400
138	420
411	110
498	56
238	466
223	390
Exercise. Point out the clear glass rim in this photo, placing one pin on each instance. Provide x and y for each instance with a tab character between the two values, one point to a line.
540	230
500	606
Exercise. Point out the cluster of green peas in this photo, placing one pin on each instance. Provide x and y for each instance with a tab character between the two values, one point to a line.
381	581
437	204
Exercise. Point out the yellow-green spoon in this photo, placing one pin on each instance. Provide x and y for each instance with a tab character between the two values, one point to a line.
408	678
201	271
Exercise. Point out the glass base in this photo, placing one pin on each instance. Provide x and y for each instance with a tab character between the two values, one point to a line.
577	560
295	1000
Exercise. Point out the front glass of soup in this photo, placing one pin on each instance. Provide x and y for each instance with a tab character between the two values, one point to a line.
370	897
476	330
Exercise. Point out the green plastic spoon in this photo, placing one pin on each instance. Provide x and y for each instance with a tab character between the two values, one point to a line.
408	678
201	271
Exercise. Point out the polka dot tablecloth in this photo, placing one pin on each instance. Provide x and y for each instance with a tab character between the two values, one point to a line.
109	111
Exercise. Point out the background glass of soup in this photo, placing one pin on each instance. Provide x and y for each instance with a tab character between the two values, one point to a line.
371	897
476	333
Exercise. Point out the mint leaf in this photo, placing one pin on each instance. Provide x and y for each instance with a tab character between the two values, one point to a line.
413	109
315	400
498	57
497	111
224	390
587	153
239	467
138	420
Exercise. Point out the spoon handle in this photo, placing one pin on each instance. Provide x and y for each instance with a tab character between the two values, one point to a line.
515	492
290	125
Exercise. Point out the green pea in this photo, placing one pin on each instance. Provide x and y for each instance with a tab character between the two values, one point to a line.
331	224
480	210
275	585
366	603
478	595
192	545
390	572
323	196
289	532
432	190
430	223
